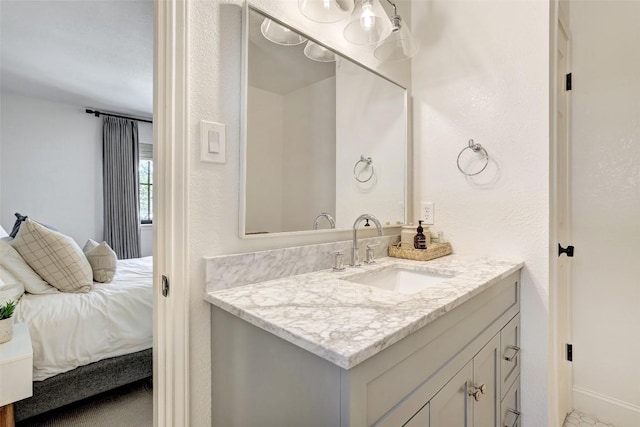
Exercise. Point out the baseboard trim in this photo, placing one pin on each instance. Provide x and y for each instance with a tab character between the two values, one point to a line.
606	408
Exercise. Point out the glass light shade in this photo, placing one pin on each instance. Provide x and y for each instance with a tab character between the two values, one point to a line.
367	26
318	53
279	34
326	11
399	46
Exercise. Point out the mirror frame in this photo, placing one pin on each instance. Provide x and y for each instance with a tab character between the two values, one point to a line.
244	85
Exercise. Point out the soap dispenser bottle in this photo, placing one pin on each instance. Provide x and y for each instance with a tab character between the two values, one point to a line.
420	240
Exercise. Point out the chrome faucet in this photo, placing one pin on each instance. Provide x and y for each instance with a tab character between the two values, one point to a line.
332	222
355	257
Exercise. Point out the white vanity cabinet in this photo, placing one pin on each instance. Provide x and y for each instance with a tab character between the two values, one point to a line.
449	373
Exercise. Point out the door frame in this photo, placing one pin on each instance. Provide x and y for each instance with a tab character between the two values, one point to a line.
557	356
171	214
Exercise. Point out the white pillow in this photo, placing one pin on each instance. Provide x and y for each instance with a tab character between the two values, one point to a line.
103	260
3	233
10	288
54	256
12	261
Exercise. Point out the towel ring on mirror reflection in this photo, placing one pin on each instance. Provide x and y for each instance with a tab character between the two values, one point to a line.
366	161
476	148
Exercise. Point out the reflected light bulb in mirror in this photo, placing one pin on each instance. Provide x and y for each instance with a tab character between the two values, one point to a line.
367	18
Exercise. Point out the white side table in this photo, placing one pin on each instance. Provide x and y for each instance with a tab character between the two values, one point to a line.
16	372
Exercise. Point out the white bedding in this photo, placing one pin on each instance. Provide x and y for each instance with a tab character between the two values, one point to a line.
71	330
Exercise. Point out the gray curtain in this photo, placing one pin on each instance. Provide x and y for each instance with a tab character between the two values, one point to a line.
120	175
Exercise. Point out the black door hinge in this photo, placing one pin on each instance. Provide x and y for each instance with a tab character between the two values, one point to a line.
568	250
570	352
165	285
568	82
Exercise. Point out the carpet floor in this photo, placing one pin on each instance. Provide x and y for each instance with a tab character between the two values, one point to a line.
128	406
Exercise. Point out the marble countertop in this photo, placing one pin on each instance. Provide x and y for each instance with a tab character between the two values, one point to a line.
346	322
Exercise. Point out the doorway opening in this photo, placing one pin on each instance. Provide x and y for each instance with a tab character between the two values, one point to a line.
76	144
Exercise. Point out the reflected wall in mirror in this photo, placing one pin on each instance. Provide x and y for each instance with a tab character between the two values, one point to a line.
325	137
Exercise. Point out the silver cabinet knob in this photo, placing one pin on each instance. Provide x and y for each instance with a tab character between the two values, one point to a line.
477	391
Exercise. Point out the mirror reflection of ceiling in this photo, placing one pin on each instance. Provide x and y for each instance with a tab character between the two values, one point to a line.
89	53
271	63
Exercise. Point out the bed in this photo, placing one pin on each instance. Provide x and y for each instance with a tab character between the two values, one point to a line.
88	343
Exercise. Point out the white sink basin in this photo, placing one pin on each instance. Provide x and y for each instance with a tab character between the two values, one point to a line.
401	280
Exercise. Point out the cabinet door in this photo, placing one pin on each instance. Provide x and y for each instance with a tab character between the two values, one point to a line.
421	419
486	384
451	406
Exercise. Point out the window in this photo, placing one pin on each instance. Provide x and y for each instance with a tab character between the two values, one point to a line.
145	173
146	191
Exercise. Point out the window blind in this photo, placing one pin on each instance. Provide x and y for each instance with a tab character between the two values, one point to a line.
146	151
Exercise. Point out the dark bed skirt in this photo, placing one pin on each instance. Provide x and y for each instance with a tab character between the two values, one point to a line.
85	381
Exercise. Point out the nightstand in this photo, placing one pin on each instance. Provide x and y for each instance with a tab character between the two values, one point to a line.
16	372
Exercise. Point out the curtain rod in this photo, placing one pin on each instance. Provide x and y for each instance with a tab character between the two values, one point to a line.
102	113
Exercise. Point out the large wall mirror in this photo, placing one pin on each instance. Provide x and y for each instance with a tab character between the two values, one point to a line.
325	138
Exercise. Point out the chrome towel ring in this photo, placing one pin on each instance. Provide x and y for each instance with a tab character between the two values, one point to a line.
476	148
365	163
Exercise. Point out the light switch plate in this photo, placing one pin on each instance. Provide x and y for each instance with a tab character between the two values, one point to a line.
212	142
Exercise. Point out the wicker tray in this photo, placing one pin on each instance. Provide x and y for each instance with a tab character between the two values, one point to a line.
433	251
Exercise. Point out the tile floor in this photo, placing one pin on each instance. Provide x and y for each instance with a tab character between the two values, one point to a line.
578	419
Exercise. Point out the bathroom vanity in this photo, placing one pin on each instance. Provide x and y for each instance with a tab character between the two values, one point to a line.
337	349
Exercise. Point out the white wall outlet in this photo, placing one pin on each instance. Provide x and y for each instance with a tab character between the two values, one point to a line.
427	212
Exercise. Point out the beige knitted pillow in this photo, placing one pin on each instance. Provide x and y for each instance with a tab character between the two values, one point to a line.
103	260
54	256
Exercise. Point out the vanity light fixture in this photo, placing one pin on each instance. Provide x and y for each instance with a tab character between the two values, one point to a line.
400	44
366	25
280	34
319	53
326	11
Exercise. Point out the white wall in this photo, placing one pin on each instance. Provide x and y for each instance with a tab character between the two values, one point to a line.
606	209
264	161
309	179
214	94
371	123
483	73
290	165
51	167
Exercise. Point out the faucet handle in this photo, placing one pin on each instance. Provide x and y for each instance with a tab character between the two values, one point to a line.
338	260
369	253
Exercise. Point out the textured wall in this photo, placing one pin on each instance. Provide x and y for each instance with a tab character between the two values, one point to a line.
371	123
606	209
264	161
309	155
483	74
214	94
52	167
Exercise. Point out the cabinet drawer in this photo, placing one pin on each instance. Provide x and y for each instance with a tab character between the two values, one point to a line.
421	419
510	406
510	354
